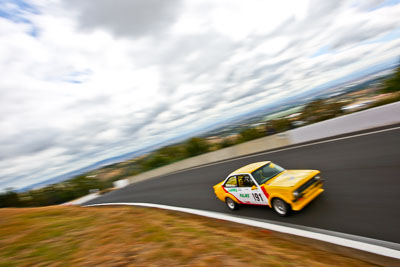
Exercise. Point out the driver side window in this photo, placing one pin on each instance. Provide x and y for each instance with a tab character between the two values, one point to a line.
245	181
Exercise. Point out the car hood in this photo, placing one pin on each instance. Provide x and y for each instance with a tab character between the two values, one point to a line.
289	178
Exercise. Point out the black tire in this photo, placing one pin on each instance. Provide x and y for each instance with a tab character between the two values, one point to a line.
281	207
232	205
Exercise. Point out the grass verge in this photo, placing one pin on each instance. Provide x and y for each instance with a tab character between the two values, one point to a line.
123	236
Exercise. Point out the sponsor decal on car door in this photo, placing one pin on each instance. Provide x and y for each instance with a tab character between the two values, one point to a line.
249	192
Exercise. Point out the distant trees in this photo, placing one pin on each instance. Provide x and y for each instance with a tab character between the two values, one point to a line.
319	110
9	199
281	125
249	134
52	194
154	161
174	153
195	146
169	154
310	111
392	84
226	143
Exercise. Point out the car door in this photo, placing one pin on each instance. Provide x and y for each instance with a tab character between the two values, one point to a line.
231	186
244	189
249	192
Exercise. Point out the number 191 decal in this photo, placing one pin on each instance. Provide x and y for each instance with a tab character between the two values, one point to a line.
257	197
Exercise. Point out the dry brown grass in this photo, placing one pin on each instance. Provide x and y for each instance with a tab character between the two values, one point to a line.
133	236
109	174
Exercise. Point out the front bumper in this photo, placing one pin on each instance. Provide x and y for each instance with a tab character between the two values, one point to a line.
303	201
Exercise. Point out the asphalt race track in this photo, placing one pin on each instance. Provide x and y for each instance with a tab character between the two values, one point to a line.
362	186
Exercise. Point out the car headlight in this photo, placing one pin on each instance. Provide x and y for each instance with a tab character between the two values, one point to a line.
296	194
317	177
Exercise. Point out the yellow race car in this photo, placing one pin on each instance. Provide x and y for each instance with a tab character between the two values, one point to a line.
265	183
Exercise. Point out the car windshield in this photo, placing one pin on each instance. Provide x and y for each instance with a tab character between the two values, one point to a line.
266	172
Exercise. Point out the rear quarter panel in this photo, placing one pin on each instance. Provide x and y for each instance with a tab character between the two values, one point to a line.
219	191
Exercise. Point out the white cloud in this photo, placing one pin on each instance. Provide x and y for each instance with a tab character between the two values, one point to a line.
83	81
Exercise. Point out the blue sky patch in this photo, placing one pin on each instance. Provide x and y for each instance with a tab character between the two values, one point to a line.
17	11
78	76
322	51
386	3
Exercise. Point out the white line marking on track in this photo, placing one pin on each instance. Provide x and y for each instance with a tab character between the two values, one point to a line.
285	149
388	252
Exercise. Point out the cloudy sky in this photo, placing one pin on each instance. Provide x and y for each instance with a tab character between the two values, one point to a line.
83	81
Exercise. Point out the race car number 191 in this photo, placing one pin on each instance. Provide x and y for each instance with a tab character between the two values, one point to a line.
257	197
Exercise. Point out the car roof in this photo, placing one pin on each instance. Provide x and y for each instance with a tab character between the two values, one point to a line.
250	167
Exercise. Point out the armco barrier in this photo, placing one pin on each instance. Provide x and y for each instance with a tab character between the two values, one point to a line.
371	118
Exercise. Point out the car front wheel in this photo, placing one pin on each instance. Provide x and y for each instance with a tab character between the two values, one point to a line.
232	205
281	207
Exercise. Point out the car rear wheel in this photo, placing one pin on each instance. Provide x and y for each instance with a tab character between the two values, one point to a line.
281	207
232	205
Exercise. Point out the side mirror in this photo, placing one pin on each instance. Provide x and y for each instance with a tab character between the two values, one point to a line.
253	187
